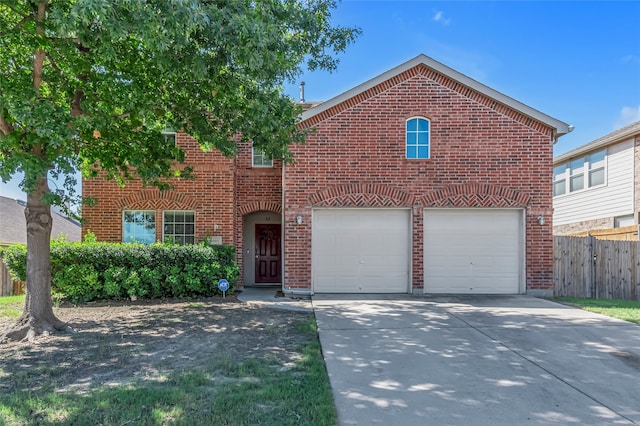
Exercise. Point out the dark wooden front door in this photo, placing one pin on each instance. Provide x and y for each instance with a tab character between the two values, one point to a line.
268	254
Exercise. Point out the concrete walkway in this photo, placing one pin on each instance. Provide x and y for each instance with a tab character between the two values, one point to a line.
270	297
406	360
501	360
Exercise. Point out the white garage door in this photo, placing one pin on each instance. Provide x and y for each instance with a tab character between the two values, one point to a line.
361	250
473	251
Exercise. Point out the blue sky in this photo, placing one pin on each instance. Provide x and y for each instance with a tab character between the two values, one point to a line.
577	61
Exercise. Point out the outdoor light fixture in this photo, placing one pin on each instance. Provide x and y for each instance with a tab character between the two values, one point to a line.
540	220
299	220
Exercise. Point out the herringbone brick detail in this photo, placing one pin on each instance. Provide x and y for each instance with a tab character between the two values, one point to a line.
361	195
151	199
474	200
475	195
360	200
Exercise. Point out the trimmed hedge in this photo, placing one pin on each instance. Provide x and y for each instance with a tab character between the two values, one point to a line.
82	272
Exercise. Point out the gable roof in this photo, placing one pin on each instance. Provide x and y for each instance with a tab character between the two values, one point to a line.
608	139
560	128
13	226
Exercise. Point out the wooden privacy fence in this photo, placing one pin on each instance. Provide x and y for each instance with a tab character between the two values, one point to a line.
8	286
594	268
625	233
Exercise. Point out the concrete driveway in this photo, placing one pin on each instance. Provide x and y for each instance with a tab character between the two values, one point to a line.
512	360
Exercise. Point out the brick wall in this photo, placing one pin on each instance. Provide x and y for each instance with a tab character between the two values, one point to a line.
210	196
256	189
483	154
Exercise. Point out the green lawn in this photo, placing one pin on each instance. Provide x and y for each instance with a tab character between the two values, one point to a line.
627	310
11	306
255	393
220	390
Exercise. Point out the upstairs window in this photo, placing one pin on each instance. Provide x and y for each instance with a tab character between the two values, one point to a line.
576	174
139	226
260	158
417	146
559	181
596	168
169	137
580	173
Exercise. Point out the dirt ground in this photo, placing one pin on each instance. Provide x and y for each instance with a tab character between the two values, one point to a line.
116	343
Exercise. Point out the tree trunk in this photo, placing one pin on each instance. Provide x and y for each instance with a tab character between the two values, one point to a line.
37	317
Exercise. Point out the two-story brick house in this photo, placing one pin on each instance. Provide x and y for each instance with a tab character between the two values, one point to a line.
419	180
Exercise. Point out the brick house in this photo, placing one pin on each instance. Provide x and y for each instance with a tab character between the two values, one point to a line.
419	180
597	185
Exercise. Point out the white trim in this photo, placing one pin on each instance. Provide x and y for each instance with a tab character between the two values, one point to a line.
184	234
417	132
167	133
559	127
610	139
585	173
155	237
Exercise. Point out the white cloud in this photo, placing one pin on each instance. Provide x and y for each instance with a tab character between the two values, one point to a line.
635	59
438	16
627	116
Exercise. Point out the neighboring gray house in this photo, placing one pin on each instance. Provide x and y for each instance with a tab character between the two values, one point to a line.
13	230
597	186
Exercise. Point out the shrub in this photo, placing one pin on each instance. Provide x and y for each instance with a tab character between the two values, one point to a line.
15	257
91	270
78	283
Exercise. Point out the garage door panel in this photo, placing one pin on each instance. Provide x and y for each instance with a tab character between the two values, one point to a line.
391	244
473	251
361	250
386	261
326	221
348	241
369	243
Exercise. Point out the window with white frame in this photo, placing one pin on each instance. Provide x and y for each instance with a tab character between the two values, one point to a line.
576	174
559	180
139	226
417	134
580	173
260	158
596	168
169	137
179	227
622	221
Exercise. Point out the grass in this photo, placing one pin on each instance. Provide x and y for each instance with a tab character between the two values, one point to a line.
222	391
627	310
11	306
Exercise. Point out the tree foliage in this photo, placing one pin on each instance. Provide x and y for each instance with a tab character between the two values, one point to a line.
92	84
97	81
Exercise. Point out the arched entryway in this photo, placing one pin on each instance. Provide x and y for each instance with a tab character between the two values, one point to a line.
262	248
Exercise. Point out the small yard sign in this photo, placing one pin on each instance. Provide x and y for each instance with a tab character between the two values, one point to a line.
223	286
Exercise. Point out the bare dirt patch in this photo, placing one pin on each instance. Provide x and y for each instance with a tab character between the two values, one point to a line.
117	343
